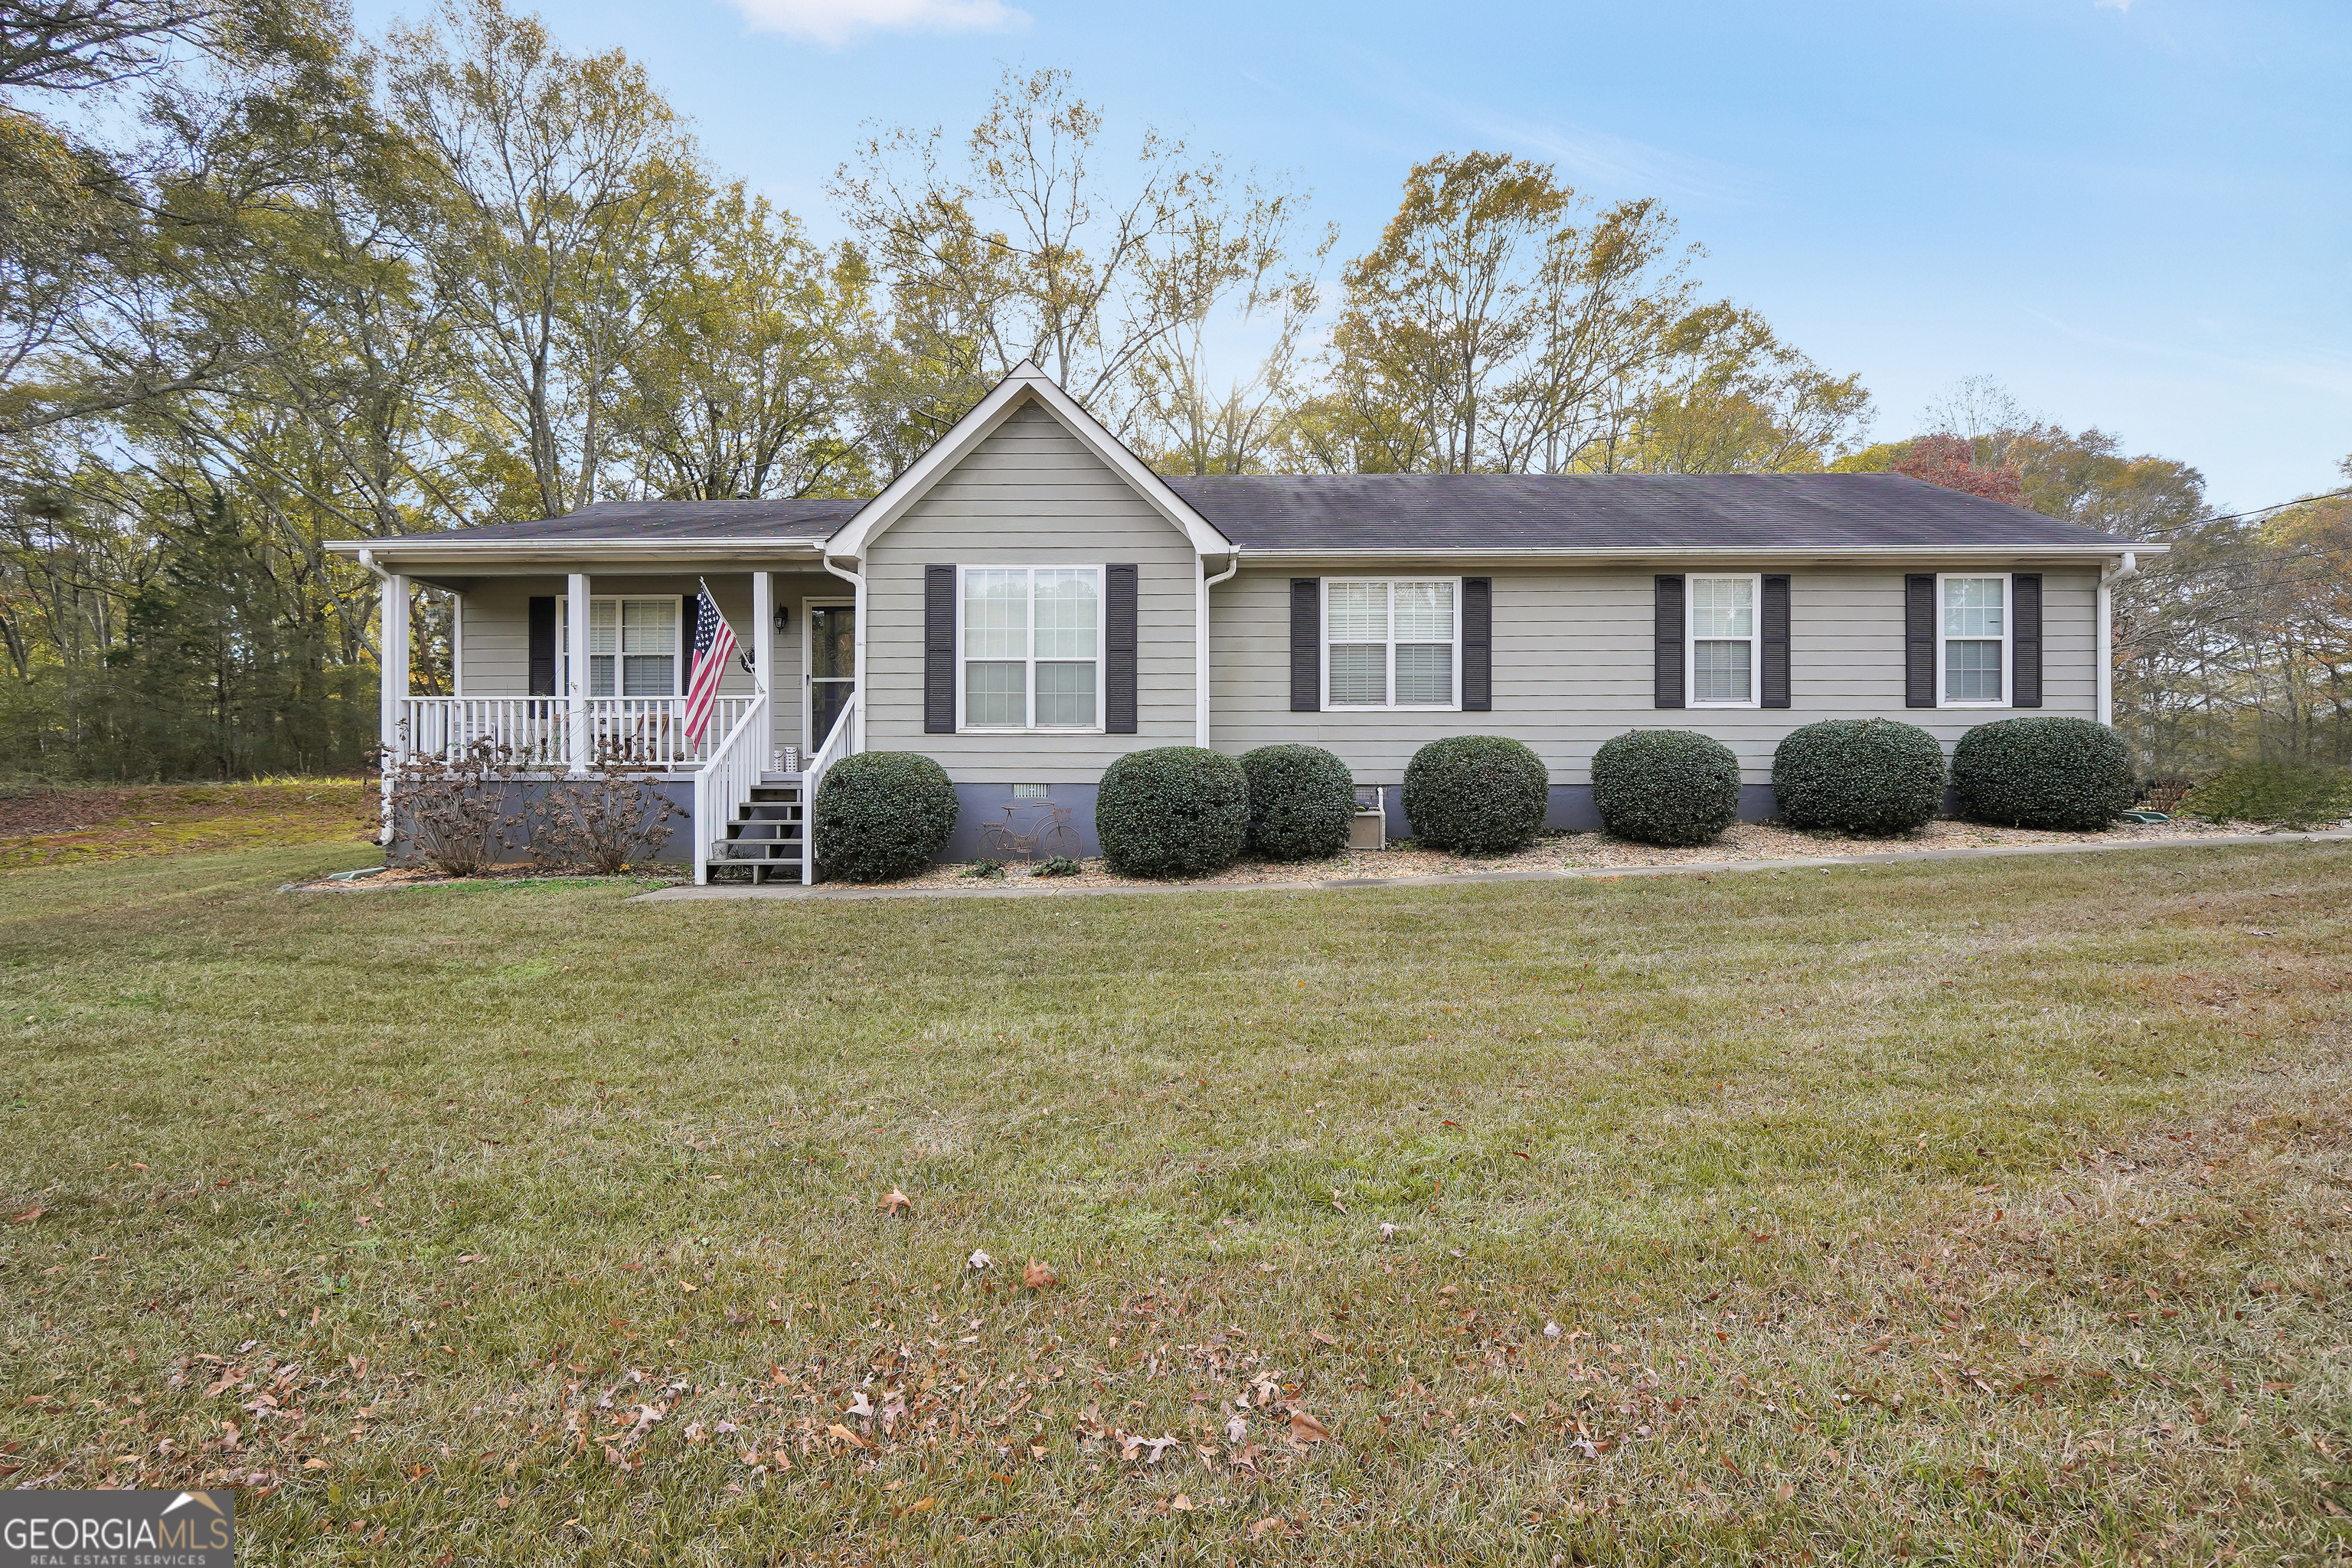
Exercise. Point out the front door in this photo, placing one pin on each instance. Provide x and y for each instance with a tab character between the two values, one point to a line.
832	667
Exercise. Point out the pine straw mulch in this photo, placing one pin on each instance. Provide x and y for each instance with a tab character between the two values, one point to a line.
1600	851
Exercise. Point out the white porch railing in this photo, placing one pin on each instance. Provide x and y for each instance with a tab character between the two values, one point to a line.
840	742
535	732
725	781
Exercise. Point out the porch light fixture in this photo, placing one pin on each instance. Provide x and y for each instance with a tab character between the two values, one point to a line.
783	616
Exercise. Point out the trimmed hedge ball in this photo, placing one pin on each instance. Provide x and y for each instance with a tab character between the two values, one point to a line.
881	815
2065	775
1302	800
1868	776
1482	795
1172	811
1665	786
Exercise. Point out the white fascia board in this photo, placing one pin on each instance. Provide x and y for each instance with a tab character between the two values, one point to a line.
496	553
1026	380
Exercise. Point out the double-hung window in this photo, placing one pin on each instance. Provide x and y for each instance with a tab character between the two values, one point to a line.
1030	648
1972	641
632	647
1723	641
1392	643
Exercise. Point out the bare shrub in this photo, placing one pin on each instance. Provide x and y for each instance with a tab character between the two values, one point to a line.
454	809
604	823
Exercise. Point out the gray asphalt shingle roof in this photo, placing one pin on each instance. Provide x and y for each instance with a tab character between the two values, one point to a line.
676	520
1450	511
1611	511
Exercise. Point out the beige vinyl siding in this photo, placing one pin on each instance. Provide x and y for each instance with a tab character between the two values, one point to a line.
1031	494
1573	666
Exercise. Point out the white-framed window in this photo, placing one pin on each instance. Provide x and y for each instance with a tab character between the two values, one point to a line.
1029	647
1722	645
632	646
1393	642
1972	633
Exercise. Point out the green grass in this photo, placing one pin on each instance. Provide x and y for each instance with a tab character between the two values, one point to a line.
1983	1213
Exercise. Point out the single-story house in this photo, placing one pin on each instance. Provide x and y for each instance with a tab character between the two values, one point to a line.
1029	601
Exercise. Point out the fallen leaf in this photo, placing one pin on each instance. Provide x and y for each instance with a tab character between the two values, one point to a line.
1180	1503
1038	1276
978	1260
314	1464
1784	1491
1305	1428
897	1202
1320	1337
28	1216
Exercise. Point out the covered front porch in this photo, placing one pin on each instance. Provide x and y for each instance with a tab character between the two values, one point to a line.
586	674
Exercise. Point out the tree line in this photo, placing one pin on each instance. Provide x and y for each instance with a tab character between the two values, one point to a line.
266	282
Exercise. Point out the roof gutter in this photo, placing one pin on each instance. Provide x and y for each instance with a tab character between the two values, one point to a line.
2087	553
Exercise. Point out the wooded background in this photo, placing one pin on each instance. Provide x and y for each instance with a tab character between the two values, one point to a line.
265	283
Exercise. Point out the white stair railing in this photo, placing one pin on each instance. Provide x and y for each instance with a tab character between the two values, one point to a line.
840	742
726	781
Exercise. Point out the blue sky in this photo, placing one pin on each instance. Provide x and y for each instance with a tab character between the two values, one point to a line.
2136	213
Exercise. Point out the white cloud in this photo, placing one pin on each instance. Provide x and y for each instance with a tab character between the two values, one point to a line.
833	23
2123	5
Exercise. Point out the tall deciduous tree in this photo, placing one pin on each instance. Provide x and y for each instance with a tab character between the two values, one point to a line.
1019	246
563	180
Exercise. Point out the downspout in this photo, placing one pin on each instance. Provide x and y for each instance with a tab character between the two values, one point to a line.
2108	577
1200	644
857	580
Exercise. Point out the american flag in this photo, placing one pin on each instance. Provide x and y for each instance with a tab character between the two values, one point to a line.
714	645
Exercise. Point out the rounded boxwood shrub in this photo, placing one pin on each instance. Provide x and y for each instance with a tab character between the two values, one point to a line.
1172	811
2068	776
1302	800
1873	776
1483	794
1665	786
881	815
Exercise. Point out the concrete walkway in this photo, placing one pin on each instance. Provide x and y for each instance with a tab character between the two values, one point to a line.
1047	887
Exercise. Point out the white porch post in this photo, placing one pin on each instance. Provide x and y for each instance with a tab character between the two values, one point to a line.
576	690
391	675
394	654
763	654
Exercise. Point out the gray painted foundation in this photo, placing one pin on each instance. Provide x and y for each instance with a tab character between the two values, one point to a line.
983	805
519	797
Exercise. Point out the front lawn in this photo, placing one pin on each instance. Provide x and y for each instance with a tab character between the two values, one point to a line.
1966	1213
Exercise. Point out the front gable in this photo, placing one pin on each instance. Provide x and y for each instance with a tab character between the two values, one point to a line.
1027	429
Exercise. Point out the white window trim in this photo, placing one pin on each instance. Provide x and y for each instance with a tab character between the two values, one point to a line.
1029	661
1392	705
2008	637
677	653
1754	639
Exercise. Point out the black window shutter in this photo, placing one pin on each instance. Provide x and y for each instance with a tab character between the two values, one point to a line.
1775	693
1477	645
1306	645
2025	640
1920	639
1118	649
939	651
689	627
1668	677
542	645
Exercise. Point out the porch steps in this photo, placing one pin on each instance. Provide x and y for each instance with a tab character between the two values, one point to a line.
769	832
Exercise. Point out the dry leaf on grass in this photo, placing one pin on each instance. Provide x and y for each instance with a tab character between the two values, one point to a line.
1038	1276
1305	1428
897	1202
